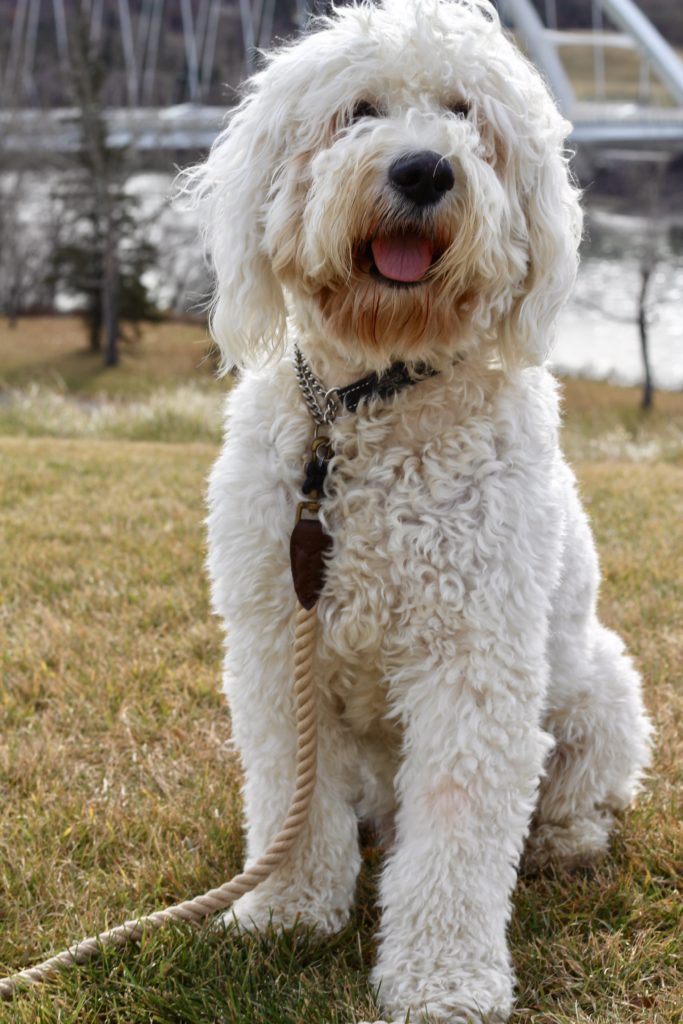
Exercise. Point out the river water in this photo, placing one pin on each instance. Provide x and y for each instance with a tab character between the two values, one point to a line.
598	332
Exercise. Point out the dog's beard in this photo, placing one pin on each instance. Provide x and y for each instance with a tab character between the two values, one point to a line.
396	281
409	289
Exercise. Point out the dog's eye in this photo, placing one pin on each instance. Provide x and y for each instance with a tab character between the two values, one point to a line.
460	109
364	108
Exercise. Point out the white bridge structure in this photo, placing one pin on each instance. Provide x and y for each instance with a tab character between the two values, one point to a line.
619	82
652	117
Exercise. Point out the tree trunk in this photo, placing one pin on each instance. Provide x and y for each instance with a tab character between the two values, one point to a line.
110	309
94	321
13	300
647	398
94	333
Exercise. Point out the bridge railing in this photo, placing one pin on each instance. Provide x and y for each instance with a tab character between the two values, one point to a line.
159	54
152	52
164	52
647	70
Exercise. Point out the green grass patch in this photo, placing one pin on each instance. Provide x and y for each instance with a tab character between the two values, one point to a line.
120	789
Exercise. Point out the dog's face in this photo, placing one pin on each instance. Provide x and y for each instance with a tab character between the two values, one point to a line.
398	173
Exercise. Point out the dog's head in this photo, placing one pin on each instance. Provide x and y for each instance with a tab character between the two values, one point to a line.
399	175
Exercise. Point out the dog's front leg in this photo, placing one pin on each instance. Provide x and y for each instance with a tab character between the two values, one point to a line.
473	755
316	883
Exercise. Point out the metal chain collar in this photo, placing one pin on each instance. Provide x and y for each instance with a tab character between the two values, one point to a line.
323	405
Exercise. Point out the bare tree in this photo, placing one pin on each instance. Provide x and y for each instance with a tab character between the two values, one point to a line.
25	231
649	246
647	297
647	267
12	270
104	249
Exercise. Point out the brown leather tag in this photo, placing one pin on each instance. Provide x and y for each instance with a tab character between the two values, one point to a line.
307	549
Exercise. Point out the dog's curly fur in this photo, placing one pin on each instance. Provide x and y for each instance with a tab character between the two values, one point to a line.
465	682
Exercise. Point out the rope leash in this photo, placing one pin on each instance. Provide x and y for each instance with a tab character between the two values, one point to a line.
222	897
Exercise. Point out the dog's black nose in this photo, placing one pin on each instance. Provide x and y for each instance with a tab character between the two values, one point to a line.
423	177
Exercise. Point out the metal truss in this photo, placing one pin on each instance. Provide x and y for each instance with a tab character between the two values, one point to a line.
133	33
543	41
139	31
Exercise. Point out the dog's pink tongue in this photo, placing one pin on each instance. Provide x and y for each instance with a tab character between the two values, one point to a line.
403	257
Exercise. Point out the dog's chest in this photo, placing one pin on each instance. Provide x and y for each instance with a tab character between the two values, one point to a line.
402	496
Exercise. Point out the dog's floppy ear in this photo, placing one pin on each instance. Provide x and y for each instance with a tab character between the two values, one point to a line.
231	191
551	223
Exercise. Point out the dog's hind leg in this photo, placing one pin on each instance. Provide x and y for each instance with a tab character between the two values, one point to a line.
595	713
602	747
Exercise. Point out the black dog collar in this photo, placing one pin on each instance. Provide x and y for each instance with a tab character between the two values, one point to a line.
324	404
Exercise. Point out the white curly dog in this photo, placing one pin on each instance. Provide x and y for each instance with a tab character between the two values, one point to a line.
393	189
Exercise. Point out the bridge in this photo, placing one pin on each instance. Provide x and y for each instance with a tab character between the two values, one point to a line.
166	64
651	117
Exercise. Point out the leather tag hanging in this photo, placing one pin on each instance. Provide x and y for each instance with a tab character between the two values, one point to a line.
307	549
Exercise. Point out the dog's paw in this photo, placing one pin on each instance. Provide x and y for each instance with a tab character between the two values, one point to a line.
260	912
478	995
458	1015
430	1018
580	843
395	1020
247	914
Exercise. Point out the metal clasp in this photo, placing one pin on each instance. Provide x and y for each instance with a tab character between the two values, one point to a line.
322	448
313	507
331	405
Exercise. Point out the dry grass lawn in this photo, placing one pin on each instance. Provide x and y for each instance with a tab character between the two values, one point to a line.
52	351
164	390
119	788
